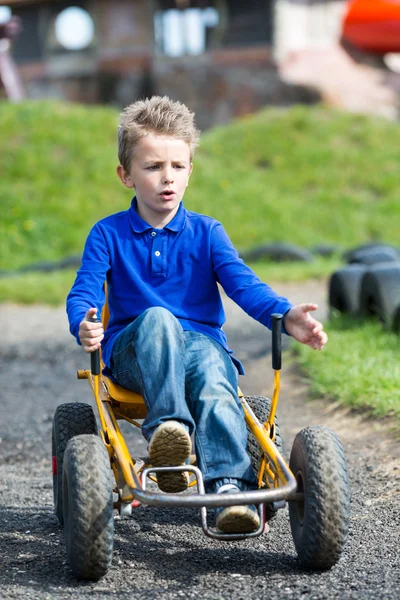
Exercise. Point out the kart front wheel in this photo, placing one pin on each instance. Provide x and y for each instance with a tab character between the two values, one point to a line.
74	418
319	516
88	507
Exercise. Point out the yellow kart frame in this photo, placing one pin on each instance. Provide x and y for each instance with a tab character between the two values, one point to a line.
276	482
315	486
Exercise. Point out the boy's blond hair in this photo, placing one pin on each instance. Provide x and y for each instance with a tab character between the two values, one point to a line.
159	115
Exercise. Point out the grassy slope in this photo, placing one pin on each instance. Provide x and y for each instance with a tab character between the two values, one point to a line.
301	175
57	164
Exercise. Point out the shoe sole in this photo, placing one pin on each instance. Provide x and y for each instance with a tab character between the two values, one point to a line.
238	519
170	446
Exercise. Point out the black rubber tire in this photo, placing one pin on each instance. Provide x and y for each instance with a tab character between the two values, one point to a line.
374	256
380	292
351	254
396	321
88	507
320	523
344	289
325	250
69	420
278	252
261	407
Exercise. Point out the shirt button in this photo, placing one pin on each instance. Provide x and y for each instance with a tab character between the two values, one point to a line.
153	234
157	253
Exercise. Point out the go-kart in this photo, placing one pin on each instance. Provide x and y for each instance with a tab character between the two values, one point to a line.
94	474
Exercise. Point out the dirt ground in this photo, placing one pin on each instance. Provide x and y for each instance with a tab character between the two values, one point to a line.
162	553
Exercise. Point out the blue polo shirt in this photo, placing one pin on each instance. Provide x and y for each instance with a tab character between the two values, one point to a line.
177	267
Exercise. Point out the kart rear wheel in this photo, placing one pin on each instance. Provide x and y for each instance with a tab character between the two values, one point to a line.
261	407
69	420
88	507
320	521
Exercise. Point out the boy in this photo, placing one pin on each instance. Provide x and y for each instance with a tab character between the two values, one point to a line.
164	338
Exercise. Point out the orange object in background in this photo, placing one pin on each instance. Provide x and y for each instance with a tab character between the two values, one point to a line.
373	25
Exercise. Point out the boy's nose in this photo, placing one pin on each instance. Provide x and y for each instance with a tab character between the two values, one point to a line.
168	176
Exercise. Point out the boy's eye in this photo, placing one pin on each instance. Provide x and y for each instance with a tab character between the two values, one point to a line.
157	167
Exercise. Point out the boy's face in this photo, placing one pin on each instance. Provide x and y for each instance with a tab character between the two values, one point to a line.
159	172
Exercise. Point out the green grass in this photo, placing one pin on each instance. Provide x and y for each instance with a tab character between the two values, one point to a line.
58	177
272	272
34	288
358	367
52	288
302	175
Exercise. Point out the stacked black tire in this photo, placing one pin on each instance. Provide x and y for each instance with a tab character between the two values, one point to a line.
369	285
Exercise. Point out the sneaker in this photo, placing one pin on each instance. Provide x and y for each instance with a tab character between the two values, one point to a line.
236	519
170	446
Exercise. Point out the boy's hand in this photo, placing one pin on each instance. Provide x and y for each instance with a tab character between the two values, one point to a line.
90	334
303	327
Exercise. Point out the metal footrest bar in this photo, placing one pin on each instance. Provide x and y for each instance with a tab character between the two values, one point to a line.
220	500
151	497
232	537
201	499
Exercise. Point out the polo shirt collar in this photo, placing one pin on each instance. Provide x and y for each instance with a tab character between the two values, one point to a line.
139	225
178	221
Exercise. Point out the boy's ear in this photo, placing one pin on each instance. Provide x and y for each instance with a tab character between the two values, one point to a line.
190	172
124	177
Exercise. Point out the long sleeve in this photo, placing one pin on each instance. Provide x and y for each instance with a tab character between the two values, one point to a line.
241	284
88	289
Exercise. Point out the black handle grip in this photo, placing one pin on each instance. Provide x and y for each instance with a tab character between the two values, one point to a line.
95	356
277	341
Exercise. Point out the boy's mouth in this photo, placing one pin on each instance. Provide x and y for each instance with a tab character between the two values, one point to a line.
167	194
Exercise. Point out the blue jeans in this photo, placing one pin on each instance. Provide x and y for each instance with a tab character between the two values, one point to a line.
188	377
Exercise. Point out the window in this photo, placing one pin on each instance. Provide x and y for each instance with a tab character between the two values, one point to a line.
74	28
49	29
5	14
180	32
28	45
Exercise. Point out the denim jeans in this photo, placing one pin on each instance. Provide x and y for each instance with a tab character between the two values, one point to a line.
187	377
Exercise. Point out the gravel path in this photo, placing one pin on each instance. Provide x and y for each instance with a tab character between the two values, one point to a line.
163	553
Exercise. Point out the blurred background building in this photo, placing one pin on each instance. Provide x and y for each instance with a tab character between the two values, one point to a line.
224	58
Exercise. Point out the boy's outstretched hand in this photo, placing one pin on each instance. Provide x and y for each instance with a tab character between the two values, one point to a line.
90	333
303	327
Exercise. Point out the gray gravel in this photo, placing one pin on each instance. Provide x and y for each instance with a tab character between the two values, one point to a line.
163	553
